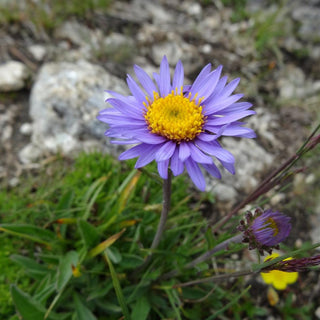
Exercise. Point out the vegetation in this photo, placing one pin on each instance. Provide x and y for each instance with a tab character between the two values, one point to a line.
76	235
46	14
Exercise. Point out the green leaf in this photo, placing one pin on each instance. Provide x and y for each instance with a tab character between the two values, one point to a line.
141	309
29	232
83	313
131	261
228	305
114	254
65	269
89	234
65	201
92	194
32	268
101	247
28	308
117	288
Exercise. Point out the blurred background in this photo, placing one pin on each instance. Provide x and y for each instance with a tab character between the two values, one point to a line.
57	58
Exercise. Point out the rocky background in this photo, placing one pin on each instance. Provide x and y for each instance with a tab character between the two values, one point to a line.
54	69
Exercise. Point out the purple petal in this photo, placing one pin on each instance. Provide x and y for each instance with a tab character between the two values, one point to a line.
211	137
126	108
147	155
125	122
178	76
230	118
166	151
198	156
157	79
202	75
136	90
236	107
145	81
163	169
220	104
238	131
195	174
133	152
230	87
228	166
124	142
176	165
111	111
207	86
147	137
184	151
219	87
213	170
217	151
164	84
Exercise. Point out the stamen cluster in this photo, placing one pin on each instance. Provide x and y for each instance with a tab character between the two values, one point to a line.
175	117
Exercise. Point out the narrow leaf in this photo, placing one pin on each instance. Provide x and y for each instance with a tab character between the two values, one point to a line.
228	305
89	233
117	288
31	267
66	201
105	244
82	312
65	269
141	309
30	232
28	308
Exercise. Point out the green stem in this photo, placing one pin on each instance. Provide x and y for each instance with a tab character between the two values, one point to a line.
164	212
163	219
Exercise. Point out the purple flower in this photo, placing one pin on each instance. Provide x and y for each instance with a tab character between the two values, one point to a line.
178	125
294	265
265	230
271	228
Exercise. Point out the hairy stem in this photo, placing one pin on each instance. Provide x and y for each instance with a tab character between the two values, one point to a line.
221	246
164	215
277	176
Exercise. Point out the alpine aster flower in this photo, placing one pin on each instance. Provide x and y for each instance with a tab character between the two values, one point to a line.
178	125
265	229
279	279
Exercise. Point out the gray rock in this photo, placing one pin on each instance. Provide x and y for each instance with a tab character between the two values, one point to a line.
251	160
293	84
308	16
38	51
26	129
13	76
30	153
64	103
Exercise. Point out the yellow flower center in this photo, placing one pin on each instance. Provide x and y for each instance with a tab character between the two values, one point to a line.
270	223
273	226
175	117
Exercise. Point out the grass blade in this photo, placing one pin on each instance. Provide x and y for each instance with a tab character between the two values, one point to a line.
117	288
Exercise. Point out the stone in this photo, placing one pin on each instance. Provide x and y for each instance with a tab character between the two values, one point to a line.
26	129
250	161
64	103
13	76
29	154
38	51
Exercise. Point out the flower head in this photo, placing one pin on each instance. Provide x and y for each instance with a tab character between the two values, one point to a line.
295	265
279	279
265	229
178	125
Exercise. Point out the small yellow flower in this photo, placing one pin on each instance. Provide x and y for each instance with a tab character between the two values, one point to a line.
279	279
